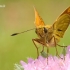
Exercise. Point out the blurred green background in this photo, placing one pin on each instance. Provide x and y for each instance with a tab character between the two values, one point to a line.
18	16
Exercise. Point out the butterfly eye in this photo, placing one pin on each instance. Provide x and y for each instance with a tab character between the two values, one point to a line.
45	30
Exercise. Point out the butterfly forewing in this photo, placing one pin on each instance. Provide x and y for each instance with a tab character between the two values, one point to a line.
38	20
62	23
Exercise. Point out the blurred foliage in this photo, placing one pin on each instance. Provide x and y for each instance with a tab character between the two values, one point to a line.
18	16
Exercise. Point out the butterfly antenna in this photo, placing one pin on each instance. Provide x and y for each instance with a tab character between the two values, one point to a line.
14	34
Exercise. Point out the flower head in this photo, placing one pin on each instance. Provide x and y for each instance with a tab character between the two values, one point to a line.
54	63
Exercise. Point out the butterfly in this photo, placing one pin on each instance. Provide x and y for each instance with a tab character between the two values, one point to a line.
49	35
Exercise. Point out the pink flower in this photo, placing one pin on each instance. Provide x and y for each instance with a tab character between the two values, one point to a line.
54	63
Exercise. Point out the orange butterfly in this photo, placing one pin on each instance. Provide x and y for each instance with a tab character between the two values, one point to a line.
49	35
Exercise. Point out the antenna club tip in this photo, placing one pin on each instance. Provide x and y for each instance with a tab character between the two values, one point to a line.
14	34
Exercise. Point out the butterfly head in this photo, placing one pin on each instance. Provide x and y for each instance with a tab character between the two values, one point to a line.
41	32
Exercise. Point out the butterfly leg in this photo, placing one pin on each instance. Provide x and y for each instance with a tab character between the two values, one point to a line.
36	46
47	54
40	42
42	49
64	48
61	46
56	48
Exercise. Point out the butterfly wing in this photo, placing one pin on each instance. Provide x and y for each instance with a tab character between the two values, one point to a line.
62	23
38	20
